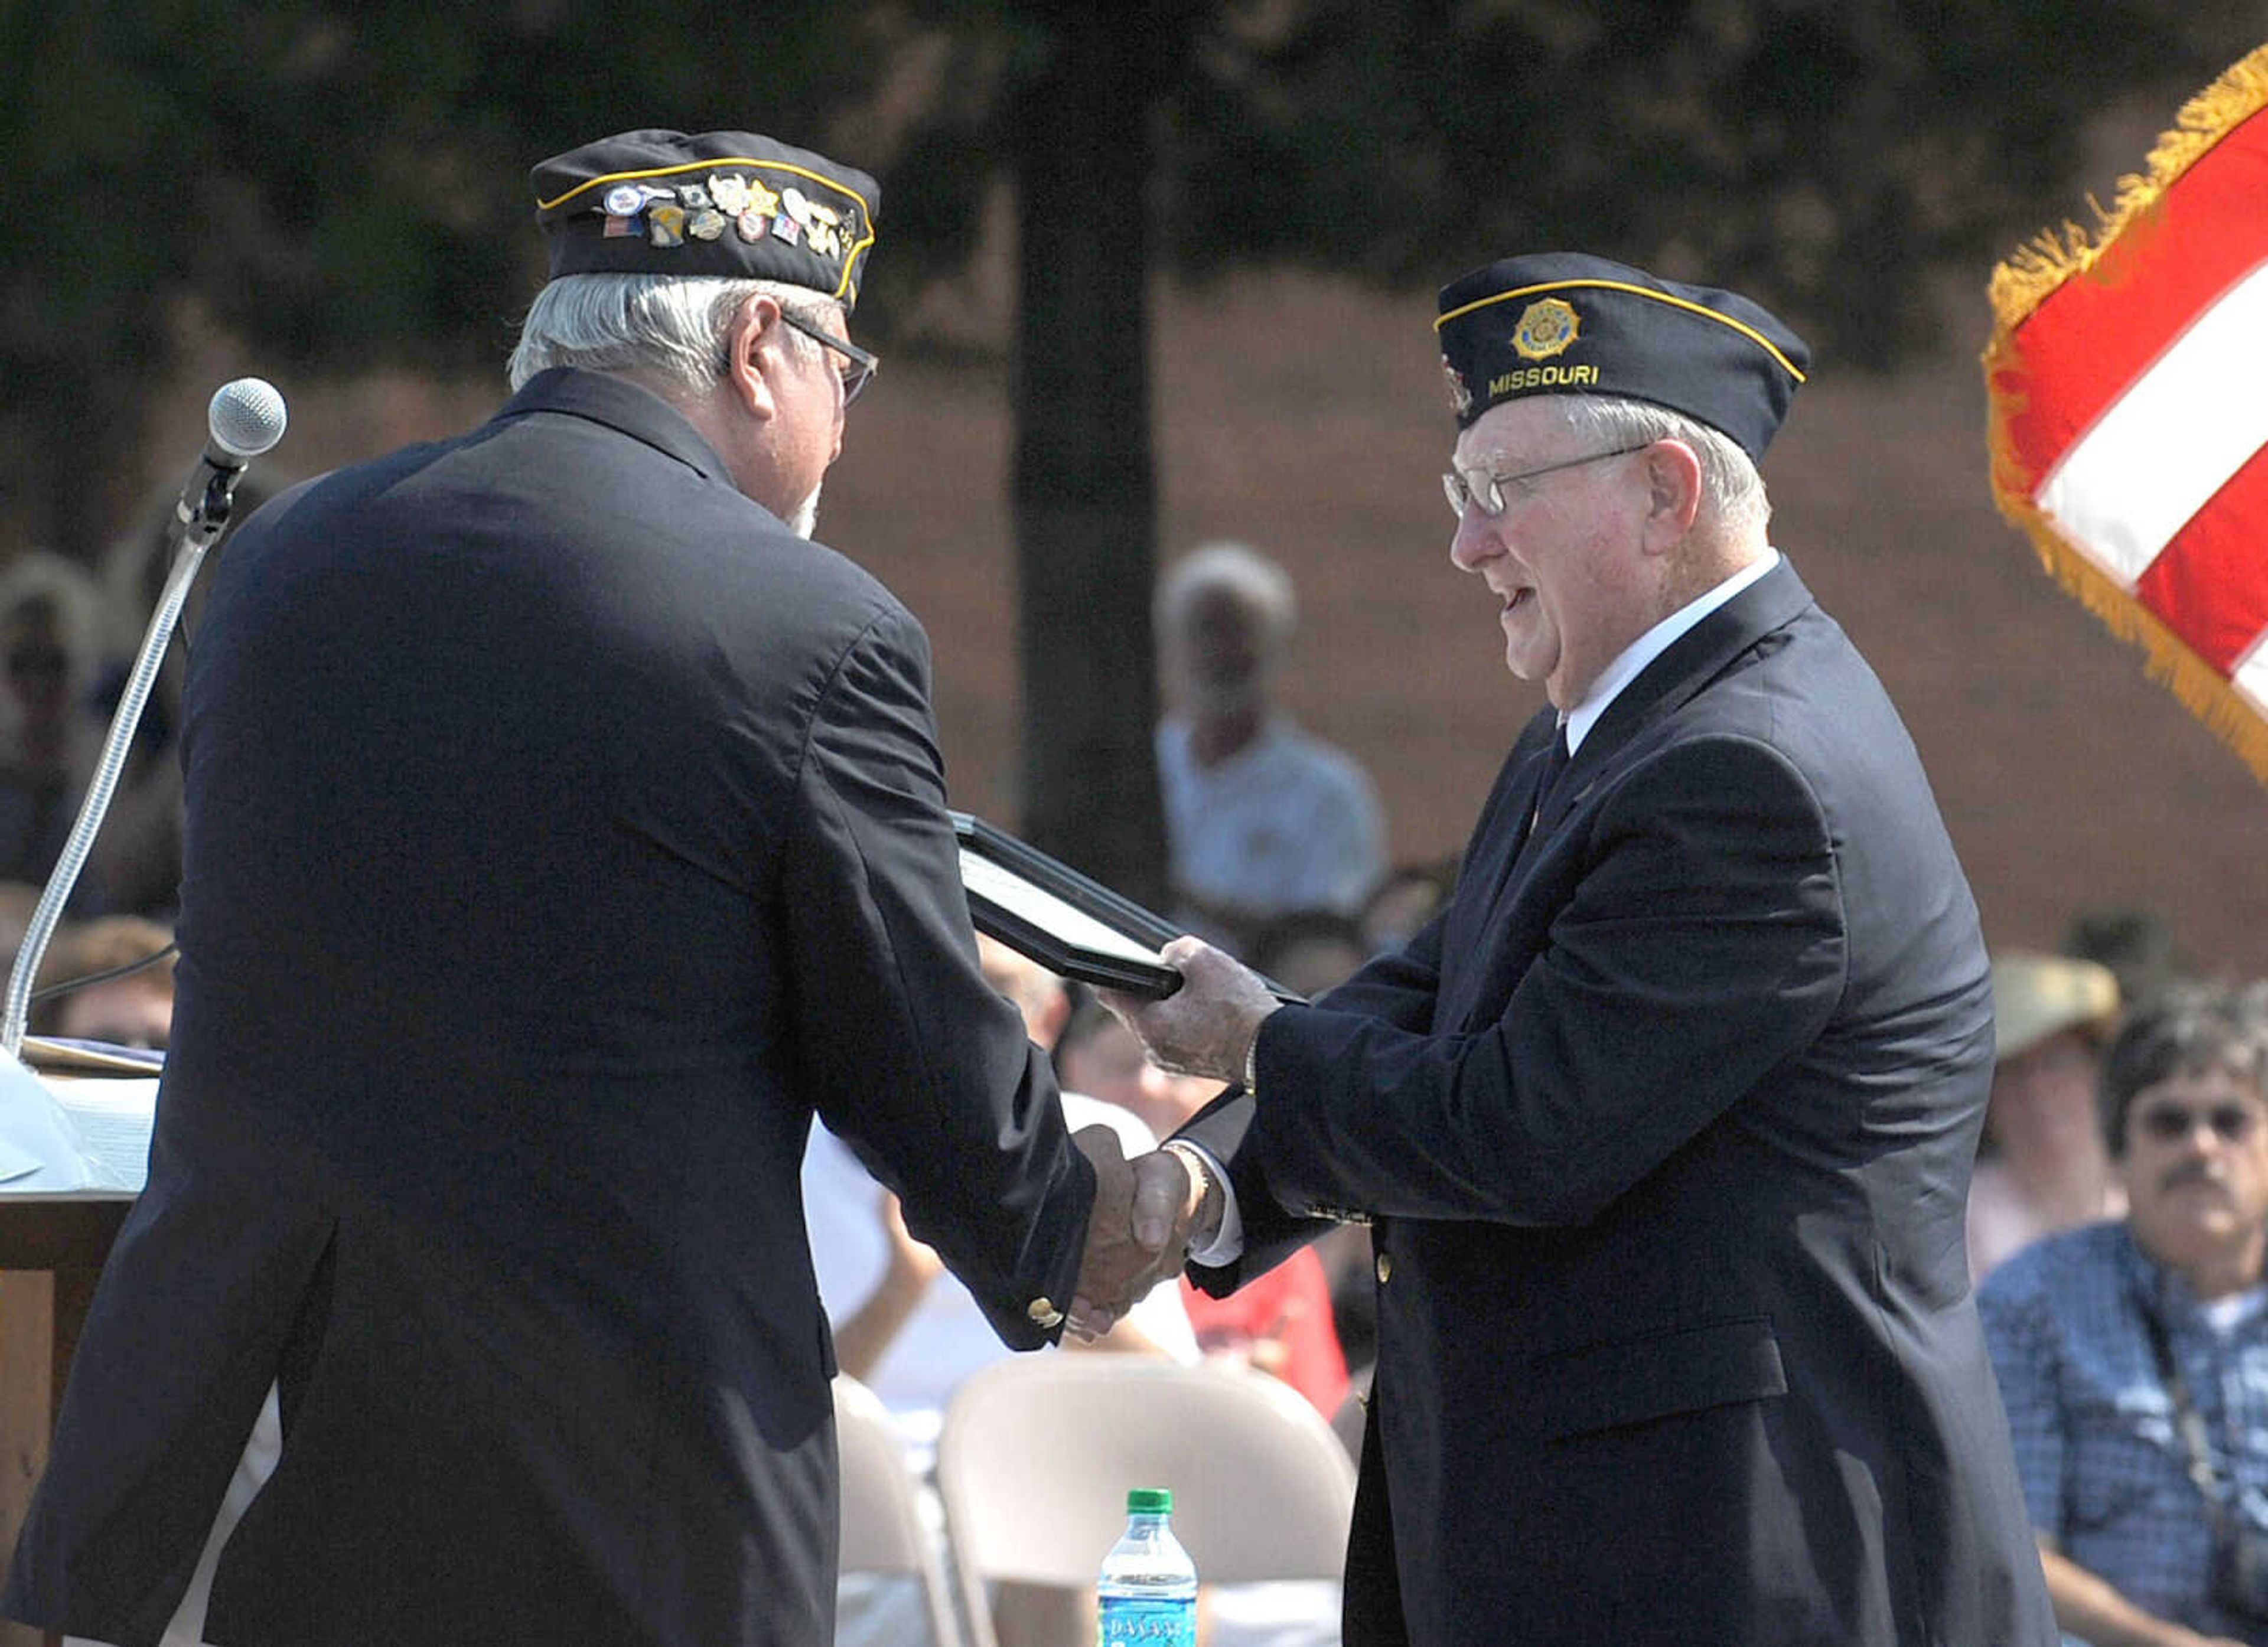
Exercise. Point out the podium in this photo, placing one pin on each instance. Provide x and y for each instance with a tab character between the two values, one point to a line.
74	1150
51	1250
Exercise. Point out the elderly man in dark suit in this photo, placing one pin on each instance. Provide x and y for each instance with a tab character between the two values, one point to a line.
564	830
1664	1125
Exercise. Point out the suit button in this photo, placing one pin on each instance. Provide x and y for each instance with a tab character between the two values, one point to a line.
1043	1313
1385	1267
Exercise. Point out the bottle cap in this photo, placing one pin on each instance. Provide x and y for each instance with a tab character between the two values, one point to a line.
1149	1501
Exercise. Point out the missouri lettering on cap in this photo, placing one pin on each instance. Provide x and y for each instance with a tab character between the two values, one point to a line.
1568	323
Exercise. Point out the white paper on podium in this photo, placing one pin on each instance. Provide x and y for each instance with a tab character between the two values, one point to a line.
73	1136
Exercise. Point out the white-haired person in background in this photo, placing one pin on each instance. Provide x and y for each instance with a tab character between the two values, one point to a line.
1262	818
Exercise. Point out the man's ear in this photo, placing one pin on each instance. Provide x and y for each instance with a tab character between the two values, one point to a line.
754	350
1673	478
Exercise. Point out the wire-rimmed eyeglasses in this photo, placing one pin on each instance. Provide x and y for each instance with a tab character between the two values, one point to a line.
860	366
1484	491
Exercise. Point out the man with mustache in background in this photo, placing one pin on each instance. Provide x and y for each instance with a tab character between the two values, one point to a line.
2134	1353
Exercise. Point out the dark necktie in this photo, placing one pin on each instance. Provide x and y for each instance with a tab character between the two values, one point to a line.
1554	764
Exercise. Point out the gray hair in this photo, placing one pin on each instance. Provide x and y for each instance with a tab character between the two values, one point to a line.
1256	583
2192	1027
671	326
1732	491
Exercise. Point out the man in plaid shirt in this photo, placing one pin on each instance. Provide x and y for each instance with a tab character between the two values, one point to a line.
2133	1353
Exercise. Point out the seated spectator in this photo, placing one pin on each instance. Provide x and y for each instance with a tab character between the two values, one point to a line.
1261	818
135	866
1310	951
2133	1354
133	1010
1280	1323
2043	1166
2135	943
903	1327
911	1333
18	901
1411	895
1099	1056
52	640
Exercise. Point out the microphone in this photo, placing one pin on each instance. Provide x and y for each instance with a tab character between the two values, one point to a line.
245	419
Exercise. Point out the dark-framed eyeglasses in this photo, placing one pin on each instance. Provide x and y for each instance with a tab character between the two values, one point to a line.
1482	490
860	366
2168	1122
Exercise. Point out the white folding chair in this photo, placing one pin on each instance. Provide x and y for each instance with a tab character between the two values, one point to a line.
882	1530
1038	1450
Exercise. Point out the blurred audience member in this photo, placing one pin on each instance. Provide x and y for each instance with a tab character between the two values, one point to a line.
1281	1322
2133	1354
2043	1166
1310	951
18	899
911	1333
1408	897
2136	943
1099	1056
133	1010
902	1326
135	866
52	638
1261	818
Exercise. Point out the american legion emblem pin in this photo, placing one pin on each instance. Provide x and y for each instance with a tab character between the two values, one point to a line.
1546	327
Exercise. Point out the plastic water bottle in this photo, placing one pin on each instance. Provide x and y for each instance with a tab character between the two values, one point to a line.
1147	1595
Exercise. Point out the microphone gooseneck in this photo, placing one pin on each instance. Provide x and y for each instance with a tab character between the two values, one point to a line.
245	419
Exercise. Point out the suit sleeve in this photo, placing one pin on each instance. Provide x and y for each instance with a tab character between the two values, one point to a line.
909	1055
1395	989
1701	943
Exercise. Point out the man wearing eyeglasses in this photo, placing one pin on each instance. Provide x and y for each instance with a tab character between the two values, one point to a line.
565	829
2134	1353
1664	1125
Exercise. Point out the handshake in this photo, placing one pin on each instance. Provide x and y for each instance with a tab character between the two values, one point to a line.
1147	1213
1150	1210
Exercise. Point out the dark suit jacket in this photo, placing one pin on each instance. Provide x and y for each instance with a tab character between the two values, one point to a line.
562	832
1665	1126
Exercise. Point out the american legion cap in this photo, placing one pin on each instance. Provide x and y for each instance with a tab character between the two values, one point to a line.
1568	323
726	203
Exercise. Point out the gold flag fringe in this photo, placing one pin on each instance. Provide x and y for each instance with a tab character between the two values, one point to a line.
2018	287
2052	256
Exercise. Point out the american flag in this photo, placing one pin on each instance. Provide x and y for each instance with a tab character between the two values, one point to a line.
2128	384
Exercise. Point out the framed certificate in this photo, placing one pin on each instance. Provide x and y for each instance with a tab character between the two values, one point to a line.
1072	925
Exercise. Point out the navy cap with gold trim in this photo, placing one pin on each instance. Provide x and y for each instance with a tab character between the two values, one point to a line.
719	203
1567	323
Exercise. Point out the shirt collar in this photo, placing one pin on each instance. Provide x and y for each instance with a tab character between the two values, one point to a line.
2158	1288
1632	660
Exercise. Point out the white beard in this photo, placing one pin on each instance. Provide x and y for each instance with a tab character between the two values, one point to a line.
805	520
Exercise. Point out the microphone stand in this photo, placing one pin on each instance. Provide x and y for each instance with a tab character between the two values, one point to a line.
198	522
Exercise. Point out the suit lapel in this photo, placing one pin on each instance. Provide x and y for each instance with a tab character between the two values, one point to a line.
1698	657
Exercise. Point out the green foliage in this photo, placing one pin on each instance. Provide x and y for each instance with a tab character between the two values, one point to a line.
344	183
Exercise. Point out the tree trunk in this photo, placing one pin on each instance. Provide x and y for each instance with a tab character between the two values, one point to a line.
1084	490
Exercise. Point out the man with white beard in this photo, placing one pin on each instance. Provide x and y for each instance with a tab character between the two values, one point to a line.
564	832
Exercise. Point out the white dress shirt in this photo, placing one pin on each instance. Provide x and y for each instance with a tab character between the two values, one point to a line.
1628	664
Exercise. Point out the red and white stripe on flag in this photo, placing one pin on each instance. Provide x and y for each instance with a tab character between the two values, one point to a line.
2128	381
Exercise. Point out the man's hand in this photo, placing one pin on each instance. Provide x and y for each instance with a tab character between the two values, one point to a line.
1206	1027
1138	1234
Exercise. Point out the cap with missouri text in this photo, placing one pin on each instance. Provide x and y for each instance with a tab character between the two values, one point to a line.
1569	323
